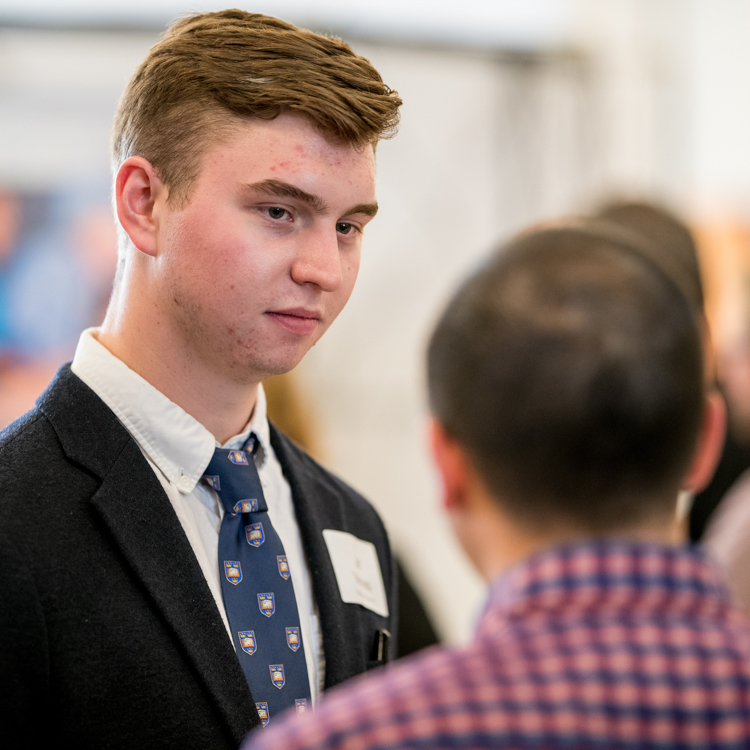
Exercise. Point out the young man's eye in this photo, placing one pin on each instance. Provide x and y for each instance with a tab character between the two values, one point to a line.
344	227
275	212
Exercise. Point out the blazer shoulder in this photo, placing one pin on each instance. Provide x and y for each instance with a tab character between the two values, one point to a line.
27	445
25	428
68	441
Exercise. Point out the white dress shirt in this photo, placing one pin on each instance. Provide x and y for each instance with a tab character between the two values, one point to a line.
179	448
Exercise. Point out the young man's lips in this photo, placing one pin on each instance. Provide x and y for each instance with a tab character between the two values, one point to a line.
297	320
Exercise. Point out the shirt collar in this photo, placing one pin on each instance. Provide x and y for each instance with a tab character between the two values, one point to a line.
179	445
608	573
258	424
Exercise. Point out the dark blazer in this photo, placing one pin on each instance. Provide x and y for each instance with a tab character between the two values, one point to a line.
109	635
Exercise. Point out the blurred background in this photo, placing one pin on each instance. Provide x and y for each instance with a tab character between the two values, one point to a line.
515	111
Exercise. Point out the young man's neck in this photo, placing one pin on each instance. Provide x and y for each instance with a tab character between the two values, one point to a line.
221	406
495	541
515	550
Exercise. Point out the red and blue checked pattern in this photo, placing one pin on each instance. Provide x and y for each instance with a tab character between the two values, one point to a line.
608	644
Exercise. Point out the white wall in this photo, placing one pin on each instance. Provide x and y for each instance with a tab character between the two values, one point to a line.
717	57
58	93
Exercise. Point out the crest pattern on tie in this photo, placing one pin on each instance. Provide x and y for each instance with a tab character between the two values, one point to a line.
257	587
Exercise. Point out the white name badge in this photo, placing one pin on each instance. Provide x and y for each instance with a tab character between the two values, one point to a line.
355	563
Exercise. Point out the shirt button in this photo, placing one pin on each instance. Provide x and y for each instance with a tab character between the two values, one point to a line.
183	483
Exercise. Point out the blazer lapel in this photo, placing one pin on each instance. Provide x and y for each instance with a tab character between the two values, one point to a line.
143	524
318	507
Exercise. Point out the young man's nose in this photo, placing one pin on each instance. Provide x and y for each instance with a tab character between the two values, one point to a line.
318	260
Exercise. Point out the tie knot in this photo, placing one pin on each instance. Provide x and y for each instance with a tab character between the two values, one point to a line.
233	475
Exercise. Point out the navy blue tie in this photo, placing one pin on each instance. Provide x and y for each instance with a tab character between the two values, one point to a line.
257	587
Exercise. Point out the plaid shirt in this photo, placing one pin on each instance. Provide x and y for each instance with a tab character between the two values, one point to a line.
608	644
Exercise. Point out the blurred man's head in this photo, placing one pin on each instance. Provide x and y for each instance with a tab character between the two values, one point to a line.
568	371
665	239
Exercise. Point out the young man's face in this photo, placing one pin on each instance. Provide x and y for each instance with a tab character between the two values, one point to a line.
264	256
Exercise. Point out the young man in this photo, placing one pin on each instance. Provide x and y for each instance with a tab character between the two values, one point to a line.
173	571
567	386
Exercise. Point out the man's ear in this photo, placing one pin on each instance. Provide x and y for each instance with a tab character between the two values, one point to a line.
451	464
138	190
710	443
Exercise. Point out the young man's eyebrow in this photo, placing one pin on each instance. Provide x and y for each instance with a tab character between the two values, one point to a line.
368	209
280	189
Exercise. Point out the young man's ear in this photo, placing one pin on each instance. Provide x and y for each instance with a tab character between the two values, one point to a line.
451	464
710	443
138	189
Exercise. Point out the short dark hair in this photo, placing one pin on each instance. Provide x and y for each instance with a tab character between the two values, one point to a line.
665	238
569	367
213	70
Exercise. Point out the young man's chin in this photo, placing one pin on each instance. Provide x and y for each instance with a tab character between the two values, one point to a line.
280	365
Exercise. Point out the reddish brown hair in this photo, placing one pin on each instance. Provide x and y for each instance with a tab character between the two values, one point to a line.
212	70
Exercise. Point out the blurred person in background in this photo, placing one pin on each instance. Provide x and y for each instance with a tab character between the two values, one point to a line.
719	515
58	253
727	532
669	242
10	227
173	570
563	428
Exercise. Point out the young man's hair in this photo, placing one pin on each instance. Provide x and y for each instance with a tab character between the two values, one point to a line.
569	368
213	70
